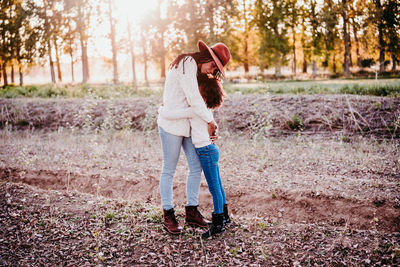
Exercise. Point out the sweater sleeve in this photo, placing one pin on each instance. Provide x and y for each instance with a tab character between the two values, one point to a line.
188	81
176	114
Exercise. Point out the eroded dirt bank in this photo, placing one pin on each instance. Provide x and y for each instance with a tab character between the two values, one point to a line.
250	114
277	206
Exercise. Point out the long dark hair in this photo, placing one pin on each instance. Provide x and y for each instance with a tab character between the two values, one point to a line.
211	90
200	58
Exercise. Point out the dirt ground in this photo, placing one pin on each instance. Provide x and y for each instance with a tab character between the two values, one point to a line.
58	227
88	194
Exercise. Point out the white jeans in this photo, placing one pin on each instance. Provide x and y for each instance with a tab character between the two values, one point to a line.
171	146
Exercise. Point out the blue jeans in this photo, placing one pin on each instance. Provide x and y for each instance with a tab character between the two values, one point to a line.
171	146
209	156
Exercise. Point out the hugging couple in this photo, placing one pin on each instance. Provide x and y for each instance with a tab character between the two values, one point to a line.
193	87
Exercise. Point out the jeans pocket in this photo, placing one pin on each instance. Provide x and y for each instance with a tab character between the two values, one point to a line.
214	157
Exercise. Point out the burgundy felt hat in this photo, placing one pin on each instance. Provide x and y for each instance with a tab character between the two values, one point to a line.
219	52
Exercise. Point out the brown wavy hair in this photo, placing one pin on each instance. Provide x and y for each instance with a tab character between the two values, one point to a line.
211	90
200	58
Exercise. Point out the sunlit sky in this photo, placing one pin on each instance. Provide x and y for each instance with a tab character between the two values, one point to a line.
99	45
133	8
124	10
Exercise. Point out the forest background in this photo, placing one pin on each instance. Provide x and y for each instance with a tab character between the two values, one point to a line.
106	41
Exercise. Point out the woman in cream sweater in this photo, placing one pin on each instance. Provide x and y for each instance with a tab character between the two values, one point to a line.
181	91
212	92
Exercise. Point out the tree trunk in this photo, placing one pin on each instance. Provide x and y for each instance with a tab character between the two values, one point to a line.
146	79
278	67
334	62
314	69
394	59
160	46
144	58
113	43
72	65
246	39
325	64
47	29
294	52
12	74
278	72
83	41
85	68
246	58
162	56
5	73
133	59
378	6
350	44
210	13
53	76
303	44
357	43
21	75
346	39
381	51
59	75
304	64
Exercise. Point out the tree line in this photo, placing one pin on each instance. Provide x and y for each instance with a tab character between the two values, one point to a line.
332	34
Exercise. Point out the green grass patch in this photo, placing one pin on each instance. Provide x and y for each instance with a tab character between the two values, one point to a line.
355	87
376	90
384	87
78	91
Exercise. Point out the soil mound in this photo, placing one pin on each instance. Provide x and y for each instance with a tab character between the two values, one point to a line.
250	114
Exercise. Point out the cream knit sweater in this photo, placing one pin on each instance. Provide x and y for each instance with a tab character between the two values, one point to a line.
199	128
181	91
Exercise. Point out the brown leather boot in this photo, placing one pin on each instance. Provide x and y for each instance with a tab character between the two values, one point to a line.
170	223
193	217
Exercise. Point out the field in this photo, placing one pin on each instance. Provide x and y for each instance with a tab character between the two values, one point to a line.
311	179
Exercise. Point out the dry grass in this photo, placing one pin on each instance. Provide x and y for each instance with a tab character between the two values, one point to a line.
360	169
311	164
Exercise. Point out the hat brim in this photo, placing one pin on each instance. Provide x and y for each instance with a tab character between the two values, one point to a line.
202	46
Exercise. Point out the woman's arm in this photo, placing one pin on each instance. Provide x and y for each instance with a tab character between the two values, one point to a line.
176	114
188	81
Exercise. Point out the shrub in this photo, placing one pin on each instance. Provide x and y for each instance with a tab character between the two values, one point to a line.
367	63
296	123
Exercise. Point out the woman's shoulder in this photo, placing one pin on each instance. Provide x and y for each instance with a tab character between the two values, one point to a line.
188	63
187	60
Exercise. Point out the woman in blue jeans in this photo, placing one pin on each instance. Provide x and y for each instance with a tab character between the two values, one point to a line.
212	93
181	91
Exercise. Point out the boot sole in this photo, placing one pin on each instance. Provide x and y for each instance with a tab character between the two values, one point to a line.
197	225
216	235
172	233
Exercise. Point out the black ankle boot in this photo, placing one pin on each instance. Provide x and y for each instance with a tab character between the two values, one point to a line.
217	226
226	215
